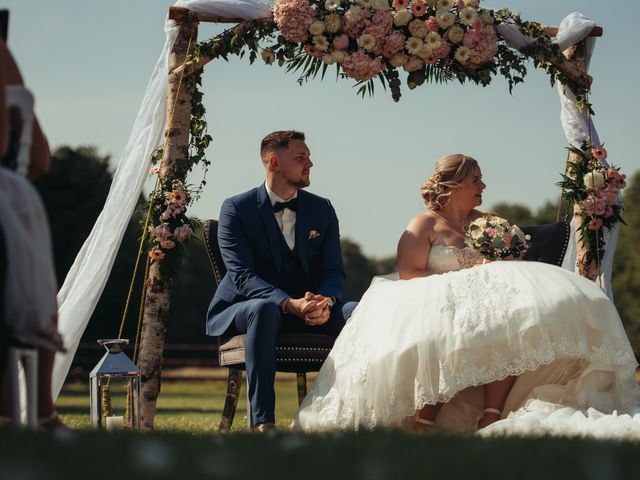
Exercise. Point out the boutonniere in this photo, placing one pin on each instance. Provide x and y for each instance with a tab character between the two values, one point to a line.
313	234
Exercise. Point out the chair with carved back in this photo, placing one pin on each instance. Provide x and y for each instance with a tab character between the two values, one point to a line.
298	353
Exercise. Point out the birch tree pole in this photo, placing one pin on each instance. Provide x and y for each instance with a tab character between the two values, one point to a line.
578	55
158	284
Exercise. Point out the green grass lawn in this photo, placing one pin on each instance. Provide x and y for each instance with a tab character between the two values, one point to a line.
183	406
186	445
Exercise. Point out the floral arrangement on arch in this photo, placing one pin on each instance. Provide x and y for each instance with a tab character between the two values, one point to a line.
430	39
171	226
593	186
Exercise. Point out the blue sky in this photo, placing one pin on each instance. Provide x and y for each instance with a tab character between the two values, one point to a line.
88	63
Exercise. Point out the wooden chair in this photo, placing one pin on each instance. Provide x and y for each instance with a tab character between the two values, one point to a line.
298	353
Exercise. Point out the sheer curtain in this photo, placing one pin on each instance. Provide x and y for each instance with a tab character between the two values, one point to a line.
88	275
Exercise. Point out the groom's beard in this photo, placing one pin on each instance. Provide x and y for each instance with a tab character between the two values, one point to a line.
301	182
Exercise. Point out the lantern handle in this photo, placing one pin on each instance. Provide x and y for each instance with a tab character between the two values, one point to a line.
113	345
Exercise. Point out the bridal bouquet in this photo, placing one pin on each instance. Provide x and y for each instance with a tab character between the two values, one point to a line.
495	238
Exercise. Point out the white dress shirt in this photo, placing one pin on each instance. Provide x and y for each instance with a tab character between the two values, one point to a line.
286	218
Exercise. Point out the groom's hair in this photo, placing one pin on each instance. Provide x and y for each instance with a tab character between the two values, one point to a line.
279	139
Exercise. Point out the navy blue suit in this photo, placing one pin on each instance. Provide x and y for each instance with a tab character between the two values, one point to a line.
262	273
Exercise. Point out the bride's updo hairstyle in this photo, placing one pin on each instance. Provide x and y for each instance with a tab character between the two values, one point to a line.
452	171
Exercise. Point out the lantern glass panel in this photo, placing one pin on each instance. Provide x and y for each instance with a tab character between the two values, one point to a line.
115	389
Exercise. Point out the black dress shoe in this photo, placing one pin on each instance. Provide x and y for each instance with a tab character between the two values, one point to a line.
264	427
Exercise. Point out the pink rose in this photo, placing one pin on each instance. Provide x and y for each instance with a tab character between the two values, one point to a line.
595	224
490	232
355	29
611	194
167	244
413	64
459	4
432	24
443	50
471	38
313	51
162	232
507	238
341	42
384	20
182	233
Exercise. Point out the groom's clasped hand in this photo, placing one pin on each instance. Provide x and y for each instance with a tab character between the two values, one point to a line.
313	309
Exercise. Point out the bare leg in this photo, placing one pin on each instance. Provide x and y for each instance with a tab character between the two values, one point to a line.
428	414
495	394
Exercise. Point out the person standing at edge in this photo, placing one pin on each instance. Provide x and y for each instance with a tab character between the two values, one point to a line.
281	247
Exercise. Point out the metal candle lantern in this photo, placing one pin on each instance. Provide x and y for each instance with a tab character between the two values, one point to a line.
115	389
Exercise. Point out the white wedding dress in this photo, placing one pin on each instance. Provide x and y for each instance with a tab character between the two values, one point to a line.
441	337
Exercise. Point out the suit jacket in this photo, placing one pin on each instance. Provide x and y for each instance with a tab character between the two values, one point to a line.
250	244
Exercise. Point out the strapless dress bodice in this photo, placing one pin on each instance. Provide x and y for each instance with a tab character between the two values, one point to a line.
445	258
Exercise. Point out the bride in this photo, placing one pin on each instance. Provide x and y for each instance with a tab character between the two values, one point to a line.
461	343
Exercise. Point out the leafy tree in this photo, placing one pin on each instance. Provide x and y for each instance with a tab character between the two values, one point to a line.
73	192
626	264
515	213
359	270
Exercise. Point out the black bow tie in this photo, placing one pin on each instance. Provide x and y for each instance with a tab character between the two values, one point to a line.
290	204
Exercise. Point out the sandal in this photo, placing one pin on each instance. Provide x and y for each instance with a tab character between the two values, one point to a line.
493	411
422	424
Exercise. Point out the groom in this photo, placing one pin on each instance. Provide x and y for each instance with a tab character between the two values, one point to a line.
281	247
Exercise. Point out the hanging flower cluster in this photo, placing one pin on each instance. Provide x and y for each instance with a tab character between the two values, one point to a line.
594	186
174	226
367	36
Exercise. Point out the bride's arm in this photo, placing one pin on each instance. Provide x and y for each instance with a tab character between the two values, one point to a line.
414	247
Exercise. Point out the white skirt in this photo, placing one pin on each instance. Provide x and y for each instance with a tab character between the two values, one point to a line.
440	338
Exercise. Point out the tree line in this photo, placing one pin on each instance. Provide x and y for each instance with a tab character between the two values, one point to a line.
76	187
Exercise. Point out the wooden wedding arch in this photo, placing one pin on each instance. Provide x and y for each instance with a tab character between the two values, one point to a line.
572	64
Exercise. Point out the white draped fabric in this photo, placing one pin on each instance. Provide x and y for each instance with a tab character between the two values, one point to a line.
577	125
88	275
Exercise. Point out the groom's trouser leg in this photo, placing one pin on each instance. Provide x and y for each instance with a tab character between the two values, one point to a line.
260	320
